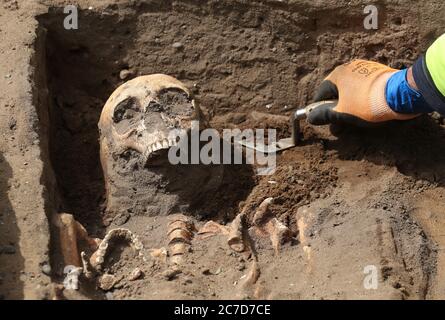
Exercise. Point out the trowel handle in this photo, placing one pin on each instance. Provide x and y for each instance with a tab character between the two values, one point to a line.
301	114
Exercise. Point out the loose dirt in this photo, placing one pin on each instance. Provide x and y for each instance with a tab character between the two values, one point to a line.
354	199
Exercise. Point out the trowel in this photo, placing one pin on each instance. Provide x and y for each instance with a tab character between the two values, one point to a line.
296	134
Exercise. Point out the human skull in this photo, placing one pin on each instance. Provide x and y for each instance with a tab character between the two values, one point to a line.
136	128
142	114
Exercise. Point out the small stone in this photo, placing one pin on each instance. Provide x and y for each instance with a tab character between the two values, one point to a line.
135	274
7	249
436	116
121	218
170	274
109	296
177	45
46	269
218	271
124	74
106	282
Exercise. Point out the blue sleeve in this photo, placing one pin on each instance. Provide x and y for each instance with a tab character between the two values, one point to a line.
402	98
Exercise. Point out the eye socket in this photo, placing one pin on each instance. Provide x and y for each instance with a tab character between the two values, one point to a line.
126	109
176	102
154	106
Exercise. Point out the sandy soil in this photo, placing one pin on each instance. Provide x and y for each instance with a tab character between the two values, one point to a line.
351	197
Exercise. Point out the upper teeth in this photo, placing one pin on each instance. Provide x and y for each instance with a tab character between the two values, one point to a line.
164	144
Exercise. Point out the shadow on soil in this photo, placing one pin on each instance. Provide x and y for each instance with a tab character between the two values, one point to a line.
416	148
11	259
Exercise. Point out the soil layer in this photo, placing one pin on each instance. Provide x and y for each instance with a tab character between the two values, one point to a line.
354	199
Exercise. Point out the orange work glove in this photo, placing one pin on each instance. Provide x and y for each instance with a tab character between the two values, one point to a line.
359	87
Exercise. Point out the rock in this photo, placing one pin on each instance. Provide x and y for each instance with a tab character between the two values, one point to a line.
436	116
109	296
46	269
7	249
106	282
135	274
121	218
177	45
170	274
124	74
218	271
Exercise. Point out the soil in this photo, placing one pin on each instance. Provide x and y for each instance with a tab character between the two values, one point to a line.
353	198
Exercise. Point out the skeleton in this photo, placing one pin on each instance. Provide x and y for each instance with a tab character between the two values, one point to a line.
180	232
263	224
98	257
135	136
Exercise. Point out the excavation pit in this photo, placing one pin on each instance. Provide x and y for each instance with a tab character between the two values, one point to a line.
237	58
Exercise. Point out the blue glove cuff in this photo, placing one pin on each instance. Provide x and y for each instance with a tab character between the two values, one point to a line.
401	98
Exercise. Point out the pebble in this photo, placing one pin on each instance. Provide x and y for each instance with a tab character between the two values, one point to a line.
109	296
124	74
436	116
121	218
177	45
7	249
46	269
135	274
170	274
218	271
106	282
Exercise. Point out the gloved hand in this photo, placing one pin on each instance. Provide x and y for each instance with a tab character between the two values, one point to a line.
361	88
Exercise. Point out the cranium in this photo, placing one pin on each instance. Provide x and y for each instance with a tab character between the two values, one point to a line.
141	114
135	132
